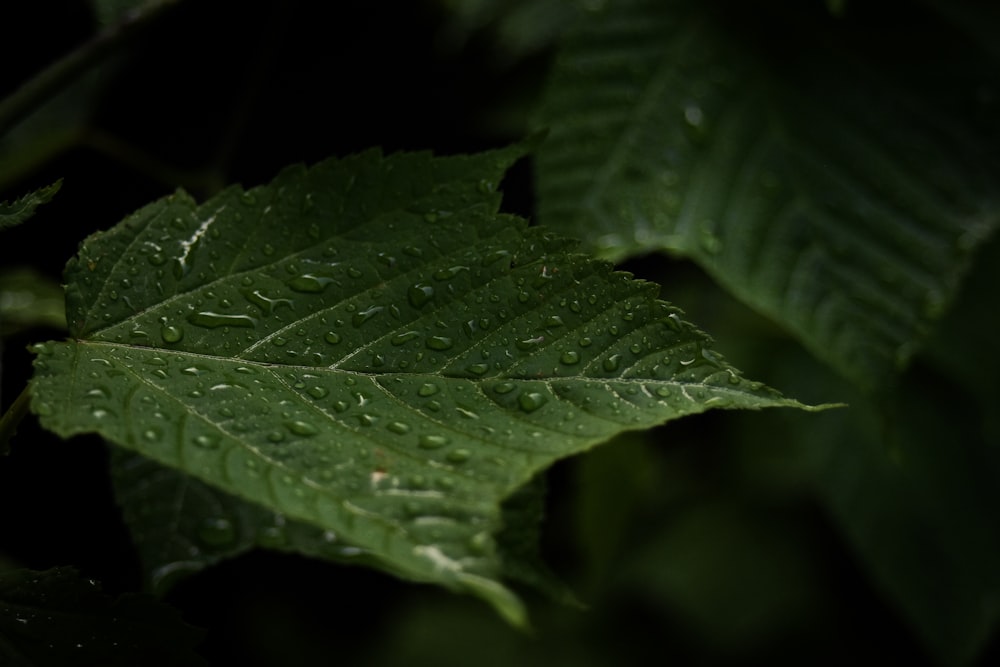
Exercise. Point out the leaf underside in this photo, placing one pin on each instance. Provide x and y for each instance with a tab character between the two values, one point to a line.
366	346
823	178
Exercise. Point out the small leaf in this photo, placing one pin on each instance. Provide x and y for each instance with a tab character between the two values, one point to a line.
368	347
836	175
55	618
12	214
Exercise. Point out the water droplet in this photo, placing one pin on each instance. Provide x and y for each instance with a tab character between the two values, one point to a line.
529	401
213	320
309	283
267	305
553	322
404	337
570	357
459	455
171	334
207	441
354	273
331	337
419	294
694	116
635	348
504	387
586	342
363	316
478	369
495	256
366	419
157	259
612	363
302	428
526	344
440	343
216	532
432	441
341	406
449	273
398	427
428	389
152	434
663	392
318	392
276	436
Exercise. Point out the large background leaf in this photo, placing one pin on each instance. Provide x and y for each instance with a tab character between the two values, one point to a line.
368	347
835	173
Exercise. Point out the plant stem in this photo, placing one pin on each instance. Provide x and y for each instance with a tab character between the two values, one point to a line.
15	413
57	75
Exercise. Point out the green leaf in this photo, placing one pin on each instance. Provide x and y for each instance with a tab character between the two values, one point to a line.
367	346
12	214
29	299
57	618
181	525
836	175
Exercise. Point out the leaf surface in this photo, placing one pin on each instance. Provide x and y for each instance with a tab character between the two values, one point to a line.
367	346
835	174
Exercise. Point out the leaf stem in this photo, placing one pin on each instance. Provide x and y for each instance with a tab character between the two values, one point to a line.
49	81
15	413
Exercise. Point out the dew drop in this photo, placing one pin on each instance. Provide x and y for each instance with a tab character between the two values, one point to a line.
354	273
428	389
504	387
449	273
276	436
206	441
318	392
586	342
419	294
302	428
309	283
363	316
213	320
216	532
404	337
152	434
478	369
570	357
612	363
440	343
331	337
530	401
398	427
171	334
459	455
635	348
432	441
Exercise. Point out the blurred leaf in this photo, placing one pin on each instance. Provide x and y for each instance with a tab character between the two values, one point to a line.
29	299
369	347
21	209
56	618
834	174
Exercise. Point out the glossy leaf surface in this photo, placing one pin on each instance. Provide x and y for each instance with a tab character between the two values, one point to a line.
834	173
367	346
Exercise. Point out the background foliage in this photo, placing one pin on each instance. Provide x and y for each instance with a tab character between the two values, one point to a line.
858	535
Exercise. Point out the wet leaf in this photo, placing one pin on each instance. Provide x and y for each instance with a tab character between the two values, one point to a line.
368	347
835	174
